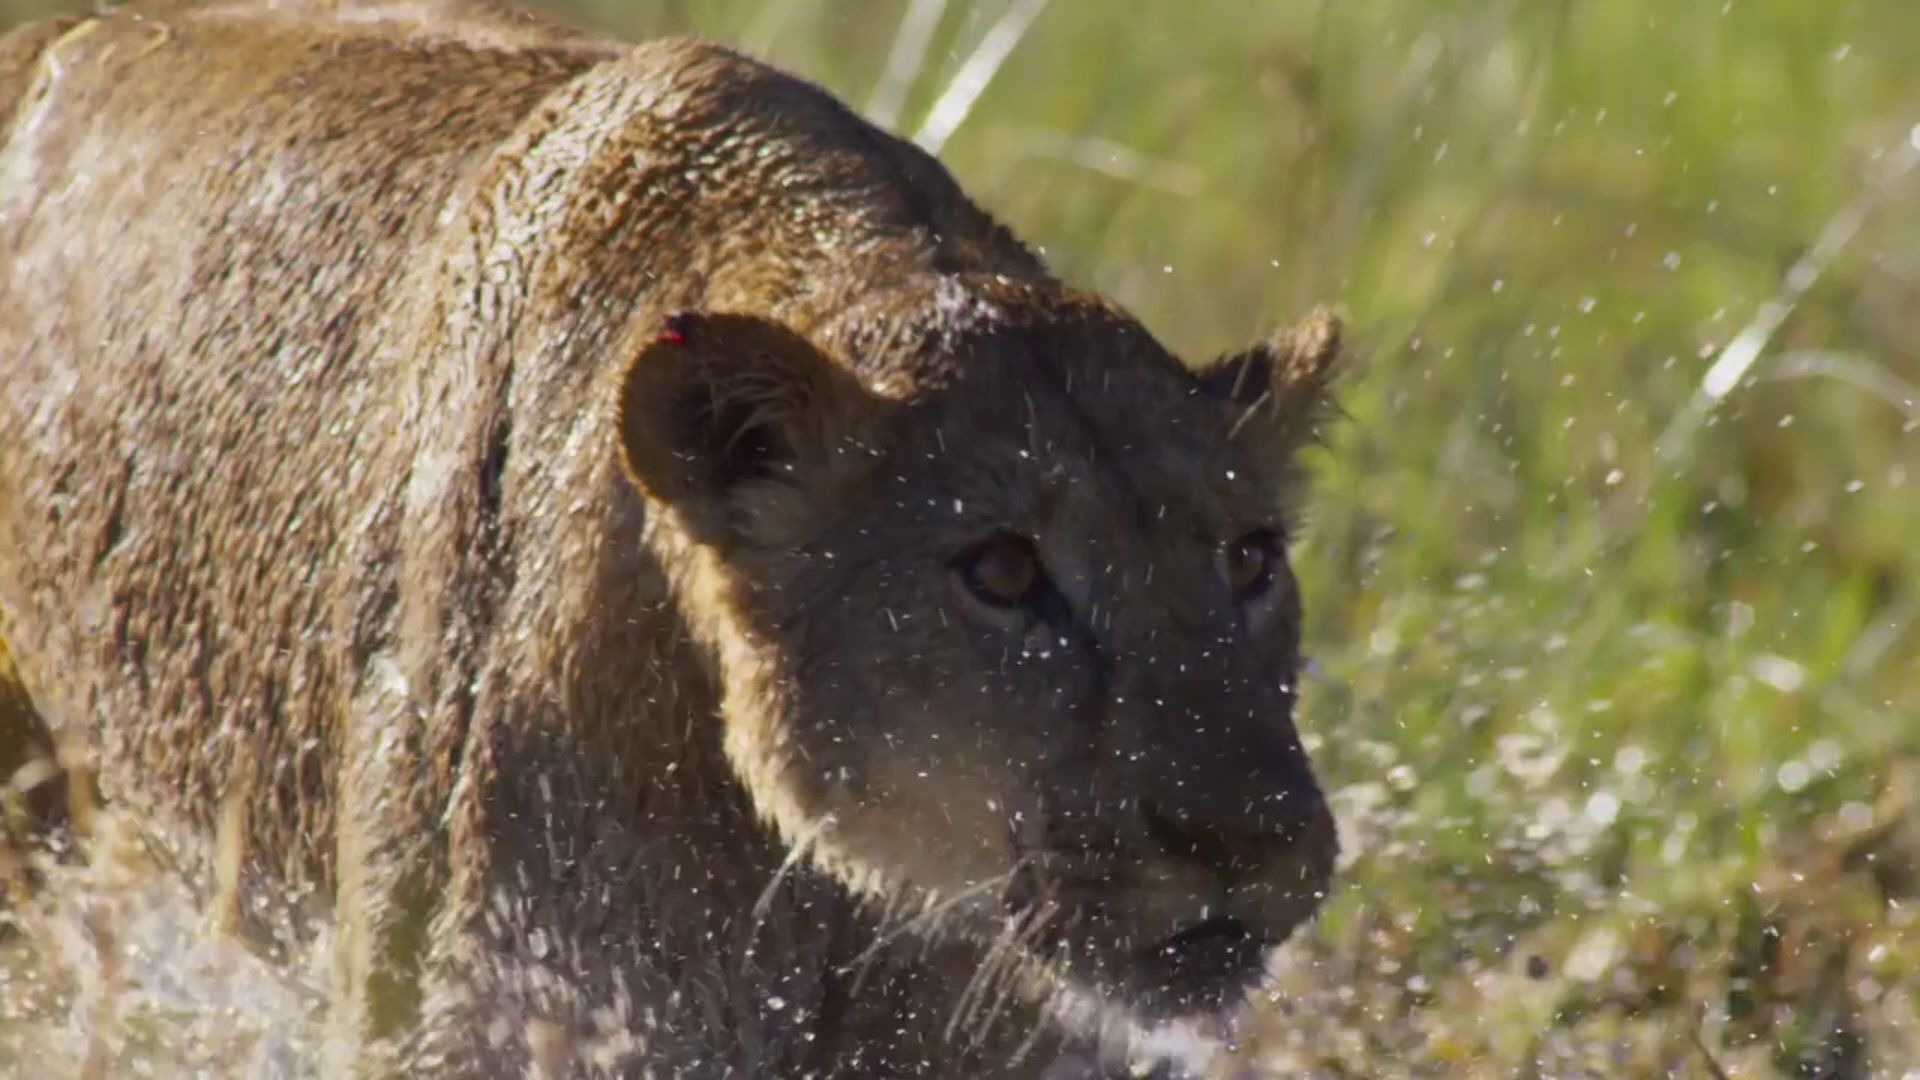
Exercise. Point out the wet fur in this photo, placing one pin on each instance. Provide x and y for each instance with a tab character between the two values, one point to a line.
367	605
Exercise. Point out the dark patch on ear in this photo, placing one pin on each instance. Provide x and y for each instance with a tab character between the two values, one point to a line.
1279	388
740	447
719	402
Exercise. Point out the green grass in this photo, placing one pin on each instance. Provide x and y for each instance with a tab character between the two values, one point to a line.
1625	735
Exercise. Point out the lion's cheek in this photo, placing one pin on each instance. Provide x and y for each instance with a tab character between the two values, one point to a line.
934	808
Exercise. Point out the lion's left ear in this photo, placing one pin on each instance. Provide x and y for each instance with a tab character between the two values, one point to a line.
744	427
1277	391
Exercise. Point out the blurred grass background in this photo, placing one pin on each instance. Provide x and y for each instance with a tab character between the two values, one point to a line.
1616	664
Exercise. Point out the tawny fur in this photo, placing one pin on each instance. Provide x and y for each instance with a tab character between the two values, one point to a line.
315	325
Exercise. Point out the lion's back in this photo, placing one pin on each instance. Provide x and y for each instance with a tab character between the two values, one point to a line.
207	218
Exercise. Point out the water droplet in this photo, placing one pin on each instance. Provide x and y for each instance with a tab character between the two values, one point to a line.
1793	776
1778	672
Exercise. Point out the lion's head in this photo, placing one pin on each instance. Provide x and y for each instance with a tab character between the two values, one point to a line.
1004	620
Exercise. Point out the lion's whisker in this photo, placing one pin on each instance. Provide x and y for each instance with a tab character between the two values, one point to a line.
803	846
925	921
983	973
1019	964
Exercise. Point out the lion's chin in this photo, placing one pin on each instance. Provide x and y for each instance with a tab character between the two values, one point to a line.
1200	971
1170	1002
1200	968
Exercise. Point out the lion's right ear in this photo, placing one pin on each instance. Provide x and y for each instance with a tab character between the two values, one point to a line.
1277	391
743	427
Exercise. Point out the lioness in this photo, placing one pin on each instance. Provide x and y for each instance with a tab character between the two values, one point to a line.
683	587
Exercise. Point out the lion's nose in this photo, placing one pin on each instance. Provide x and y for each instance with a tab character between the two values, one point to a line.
1236	842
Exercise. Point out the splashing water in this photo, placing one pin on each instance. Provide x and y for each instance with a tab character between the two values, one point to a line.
112	969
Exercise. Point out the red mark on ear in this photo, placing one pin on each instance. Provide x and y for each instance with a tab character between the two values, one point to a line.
677	325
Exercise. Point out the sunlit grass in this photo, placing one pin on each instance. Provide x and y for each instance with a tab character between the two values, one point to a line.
1624	739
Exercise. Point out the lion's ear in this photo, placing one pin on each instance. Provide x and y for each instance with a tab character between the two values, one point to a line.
1277	391
743	427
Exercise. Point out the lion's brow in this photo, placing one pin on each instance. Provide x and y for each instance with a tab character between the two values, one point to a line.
1110	464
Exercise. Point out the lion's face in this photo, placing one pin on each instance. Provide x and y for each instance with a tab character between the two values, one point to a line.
1024	646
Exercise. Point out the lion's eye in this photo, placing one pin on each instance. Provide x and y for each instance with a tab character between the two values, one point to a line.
1247	563
1003	571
